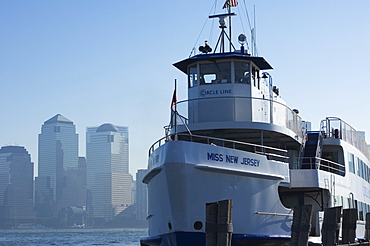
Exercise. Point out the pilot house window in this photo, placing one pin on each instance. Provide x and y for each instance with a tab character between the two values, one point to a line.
193	76
242	73
215	73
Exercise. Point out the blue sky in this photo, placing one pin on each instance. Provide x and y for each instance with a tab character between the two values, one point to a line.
111	61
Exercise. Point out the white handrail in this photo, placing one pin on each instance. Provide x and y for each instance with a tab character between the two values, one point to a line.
265	150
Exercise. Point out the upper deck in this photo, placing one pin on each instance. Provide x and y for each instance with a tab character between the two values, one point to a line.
336	128
233	91
333	149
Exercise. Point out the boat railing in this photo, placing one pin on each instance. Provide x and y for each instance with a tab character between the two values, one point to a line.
334	127
270	152
321	164
274	112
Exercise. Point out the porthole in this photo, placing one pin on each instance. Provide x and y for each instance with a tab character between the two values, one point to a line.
198	225
169	226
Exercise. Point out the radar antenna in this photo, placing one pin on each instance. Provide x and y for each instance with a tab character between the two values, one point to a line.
221	38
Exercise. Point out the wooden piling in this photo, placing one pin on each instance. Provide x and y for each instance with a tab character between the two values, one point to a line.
349	225
211	224
367	227
224	222
302	216
330	226
218	223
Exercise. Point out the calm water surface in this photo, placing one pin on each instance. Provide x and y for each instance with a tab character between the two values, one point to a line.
78	237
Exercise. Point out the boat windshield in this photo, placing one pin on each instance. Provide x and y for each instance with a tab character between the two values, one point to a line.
193	76
222	73
215	73
242	73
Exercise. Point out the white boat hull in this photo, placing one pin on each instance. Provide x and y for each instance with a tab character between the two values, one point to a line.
189	175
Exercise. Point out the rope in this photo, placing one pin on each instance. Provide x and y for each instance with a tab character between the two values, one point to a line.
214	9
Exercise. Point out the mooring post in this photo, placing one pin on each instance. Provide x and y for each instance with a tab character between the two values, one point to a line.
367	227
302	216
211	224
218	223
330	226
295	225
349	225
224	223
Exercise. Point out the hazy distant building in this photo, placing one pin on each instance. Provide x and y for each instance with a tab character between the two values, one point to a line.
141	200
16	184
108	180
74	186
362	133
58	152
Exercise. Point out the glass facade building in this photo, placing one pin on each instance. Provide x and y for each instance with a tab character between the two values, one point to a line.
108	179
141	195
16	184
58	152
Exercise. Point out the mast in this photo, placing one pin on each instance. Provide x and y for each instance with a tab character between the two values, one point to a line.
228	4
254	32
221	39
229	10
174	100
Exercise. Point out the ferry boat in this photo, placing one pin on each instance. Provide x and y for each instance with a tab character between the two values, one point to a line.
235	138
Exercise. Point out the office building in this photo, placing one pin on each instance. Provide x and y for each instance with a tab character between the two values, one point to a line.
141	200
74	186
16	184
58	153
108	179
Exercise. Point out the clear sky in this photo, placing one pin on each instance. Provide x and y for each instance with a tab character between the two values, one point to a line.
110	61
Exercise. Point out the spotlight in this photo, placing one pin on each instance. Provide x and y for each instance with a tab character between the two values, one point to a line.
242	38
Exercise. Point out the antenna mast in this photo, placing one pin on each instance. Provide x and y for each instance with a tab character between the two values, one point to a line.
229	10
253	33
221	38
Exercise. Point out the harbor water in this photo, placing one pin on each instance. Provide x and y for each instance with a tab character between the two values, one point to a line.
75	237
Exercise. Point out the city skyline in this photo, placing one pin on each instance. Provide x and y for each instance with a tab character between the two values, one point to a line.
97	62
90	191
60	118
19	205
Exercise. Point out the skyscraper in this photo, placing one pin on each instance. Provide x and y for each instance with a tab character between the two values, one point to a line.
108	180
141	196
58	152
74	186
16	184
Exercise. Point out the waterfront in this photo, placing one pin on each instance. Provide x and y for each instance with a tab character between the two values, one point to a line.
76	237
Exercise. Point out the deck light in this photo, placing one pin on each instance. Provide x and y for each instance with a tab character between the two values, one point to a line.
242	38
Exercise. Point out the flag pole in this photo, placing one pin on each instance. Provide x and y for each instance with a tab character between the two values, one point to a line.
229	8
176	109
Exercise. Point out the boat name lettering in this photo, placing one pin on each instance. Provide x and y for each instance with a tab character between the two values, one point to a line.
250	162
204	93
215	157
233	159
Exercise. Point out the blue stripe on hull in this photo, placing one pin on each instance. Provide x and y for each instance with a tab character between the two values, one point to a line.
199	239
